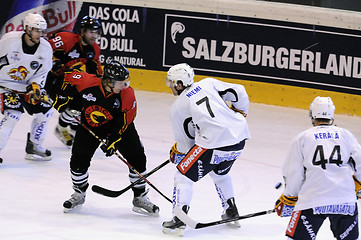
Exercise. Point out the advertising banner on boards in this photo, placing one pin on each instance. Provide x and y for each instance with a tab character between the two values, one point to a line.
59	14
234	47
218	45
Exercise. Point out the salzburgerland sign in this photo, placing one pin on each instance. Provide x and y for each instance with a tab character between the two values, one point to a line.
233	47
265	51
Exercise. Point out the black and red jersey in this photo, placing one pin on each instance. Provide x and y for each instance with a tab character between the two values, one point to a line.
68	50
104	113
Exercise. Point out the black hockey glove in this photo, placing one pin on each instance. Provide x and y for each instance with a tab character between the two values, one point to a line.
62	102
111	145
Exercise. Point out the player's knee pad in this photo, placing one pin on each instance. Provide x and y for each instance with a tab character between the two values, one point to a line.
183	190
7	124
224	186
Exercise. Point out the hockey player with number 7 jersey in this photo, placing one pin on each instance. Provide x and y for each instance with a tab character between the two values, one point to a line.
209	135
318	178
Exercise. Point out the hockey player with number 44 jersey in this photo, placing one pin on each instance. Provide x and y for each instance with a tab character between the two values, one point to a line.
25	60
209	135
318	178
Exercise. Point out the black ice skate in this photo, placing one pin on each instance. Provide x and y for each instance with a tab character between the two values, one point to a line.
231	212
64	136
75	202
175	225
36	151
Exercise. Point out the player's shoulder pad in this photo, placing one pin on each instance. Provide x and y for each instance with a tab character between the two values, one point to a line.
82	80
67	34
128	97
46	44
129	91
11	35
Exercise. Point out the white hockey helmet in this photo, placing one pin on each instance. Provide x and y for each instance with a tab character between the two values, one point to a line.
322	107
34	20
180	72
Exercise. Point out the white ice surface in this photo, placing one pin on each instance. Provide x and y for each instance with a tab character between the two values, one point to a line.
32	193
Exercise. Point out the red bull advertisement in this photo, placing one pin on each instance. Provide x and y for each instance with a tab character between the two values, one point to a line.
59	14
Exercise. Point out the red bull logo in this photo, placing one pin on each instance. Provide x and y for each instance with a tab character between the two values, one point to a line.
19	73
58	15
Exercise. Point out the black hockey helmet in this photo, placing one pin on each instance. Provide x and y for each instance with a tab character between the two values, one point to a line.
115	71
90	23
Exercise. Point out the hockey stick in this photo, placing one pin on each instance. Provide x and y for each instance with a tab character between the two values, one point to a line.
196	225
111	193
123	160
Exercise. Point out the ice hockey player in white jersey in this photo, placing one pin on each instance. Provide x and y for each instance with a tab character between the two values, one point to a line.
318	178
209	135
25	60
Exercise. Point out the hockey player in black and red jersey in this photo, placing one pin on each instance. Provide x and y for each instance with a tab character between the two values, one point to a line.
69	50
25	60
318	178
108	108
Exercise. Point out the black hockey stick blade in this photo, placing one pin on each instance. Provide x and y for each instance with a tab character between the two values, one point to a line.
113	193
196	225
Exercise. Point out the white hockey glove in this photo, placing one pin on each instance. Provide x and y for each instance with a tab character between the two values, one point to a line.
174	155
357	187
284	205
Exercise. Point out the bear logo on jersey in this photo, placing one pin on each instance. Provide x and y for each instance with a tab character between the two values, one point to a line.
97	116
19	73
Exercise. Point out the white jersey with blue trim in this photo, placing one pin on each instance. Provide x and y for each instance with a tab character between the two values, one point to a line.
201	115
319	165
19	69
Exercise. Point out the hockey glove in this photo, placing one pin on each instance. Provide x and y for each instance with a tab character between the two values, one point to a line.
110	148
174	155
357	187
284	205
61	102
33	93
73	113
239	111
44	97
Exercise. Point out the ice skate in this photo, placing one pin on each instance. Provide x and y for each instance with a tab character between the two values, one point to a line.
75	202
231	212
175	225
64	136
143	205
36	151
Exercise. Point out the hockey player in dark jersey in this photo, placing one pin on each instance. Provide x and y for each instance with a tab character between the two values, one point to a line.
69	50
108	108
